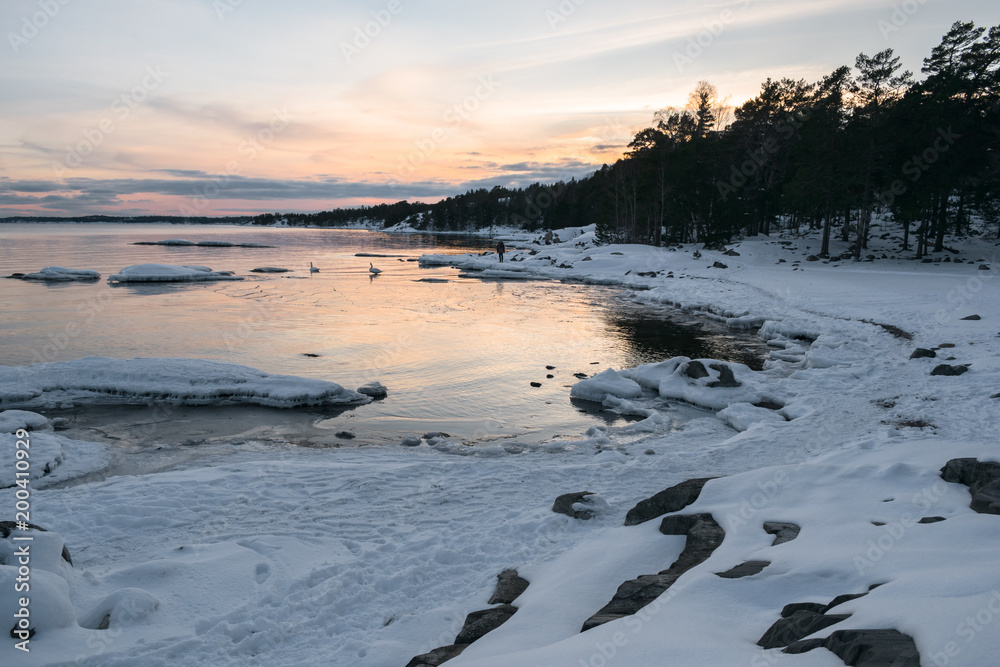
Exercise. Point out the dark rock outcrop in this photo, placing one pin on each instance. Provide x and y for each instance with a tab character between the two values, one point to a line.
866	648
674	499
695	370
510	585
982	478
947	369
747	569
794	627
437	656
783	532
564	505
973	318
726	377
479	623
719	265
923	353
704	536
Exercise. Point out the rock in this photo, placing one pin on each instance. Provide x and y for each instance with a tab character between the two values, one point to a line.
509	586
345	435
674	499
866	648
437	656
581	376
790	609
841	599
814	258
931	519
982	478
704	535
783	532
945	345
731	253
549	376
536	384
726	377
410	441
564	505
923	353
60	424
794	627
695	370
479	623
6	527
374	389
719	265
972	317
436	434
747	569
946	369
550	368
984	267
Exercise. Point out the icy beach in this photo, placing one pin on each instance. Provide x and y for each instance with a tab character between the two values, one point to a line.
258	553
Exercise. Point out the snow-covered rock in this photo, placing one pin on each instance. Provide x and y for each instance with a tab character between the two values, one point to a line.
604	384
174	381
168	273
62	274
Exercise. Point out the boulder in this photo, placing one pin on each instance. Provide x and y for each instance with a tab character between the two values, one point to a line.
704	536
719	265
982	478
923	353
479	623
695	370
437	656
794	627
747	569
972	317
674	499
947	369
374	389
726	377
410	441
510	585
866	648
783	532
564	504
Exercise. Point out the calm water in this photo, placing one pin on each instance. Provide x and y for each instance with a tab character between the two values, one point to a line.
456	354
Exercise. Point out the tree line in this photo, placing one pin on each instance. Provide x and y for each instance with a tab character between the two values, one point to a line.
834	154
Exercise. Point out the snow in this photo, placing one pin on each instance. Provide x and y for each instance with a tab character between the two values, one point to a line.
62	274
604	384
99	380
53	458
168	273
368	556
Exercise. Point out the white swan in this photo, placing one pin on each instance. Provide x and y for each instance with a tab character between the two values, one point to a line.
313	269
372	269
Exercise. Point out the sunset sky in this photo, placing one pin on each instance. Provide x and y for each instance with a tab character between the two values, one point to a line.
221	107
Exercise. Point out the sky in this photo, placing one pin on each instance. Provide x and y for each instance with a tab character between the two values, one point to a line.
235	107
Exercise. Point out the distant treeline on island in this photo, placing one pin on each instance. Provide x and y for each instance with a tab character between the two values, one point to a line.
859	144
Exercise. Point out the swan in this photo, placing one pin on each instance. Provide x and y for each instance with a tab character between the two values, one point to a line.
313	269
372	269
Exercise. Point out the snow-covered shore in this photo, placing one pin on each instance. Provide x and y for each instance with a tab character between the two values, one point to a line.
280	556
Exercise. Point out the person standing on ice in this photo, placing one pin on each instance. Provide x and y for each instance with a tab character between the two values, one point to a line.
500	250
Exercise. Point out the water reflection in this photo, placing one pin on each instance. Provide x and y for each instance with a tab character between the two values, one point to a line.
651	335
